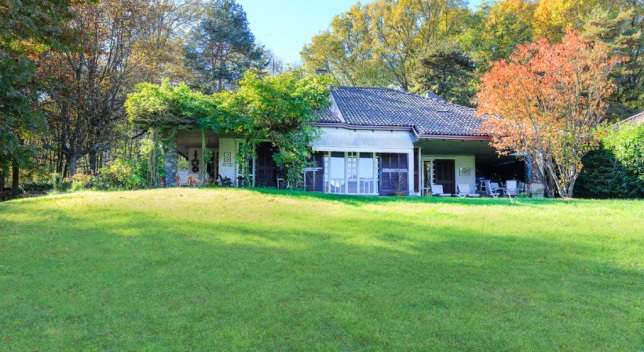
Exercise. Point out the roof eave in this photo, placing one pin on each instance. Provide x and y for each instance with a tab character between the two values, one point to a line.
405	128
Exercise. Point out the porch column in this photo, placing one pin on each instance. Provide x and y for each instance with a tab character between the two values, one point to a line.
171	162
410	174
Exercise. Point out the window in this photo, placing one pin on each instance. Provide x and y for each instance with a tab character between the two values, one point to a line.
351	173
313	175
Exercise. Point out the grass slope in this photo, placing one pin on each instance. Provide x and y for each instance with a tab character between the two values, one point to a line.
239	270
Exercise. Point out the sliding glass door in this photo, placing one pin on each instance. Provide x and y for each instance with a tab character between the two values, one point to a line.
351	173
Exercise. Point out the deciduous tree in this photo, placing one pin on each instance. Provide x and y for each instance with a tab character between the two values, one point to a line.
553	18
379	43
496	29
545	102
27	28
86	101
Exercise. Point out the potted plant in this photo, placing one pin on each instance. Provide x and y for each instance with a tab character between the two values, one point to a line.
400	185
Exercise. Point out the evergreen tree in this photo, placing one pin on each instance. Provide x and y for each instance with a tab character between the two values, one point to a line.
221	48
621	32
446	71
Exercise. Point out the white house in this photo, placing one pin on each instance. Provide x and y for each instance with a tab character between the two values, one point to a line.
374	141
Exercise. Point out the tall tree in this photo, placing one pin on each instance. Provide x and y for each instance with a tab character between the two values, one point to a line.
380	43
221	48
621	32
545	102
159	49
342	51
496	29
27	27
553	18
446	71
86	103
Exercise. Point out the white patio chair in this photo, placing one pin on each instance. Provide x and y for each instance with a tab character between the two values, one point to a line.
437	191
183	179
491	189
511	188
464	191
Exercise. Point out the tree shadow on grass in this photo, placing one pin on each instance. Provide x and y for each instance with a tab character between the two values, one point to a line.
128	282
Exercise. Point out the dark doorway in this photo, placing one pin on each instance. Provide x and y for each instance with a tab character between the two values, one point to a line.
266	168
445	174
394	170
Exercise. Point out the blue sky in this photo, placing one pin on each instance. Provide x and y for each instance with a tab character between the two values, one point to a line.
284	26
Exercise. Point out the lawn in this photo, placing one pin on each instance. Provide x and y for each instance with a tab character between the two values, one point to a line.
239	270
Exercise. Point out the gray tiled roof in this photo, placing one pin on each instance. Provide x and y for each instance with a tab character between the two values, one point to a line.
327	115
638	118
369	106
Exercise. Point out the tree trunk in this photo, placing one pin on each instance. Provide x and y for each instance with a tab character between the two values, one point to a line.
92	161
15	179
72	164
1	180
60	164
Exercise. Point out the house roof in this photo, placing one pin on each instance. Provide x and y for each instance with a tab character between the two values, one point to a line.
638	118
390	108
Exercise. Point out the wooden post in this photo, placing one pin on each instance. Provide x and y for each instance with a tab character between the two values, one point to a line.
203	164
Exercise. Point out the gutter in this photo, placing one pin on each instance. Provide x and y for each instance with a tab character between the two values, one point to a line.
405	128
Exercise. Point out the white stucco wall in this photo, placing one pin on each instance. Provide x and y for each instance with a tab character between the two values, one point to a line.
227	168
333	139
460	161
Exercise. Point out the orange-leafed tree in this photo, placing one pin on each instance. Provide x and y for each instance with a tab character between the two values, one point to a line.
545	103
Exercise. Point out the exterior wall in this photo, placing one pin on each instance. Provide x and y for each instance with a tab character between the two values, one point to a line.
228	168
191	156
382	142
341	140
460	161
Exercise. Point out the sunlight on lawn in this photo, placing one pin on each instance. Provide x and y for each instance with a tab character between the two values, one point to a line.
269	270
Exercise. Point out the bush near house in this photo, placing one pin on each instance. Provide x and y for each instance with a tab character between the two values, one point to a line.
121	173
616	169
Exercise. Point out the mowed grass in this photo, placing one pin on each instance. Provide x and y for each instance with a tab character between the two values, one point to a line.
240	270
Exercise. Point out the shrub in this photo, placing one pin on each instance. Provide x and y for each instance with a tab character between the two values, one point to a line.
616	169
121	173
59	184
82	180
5	195
77	186
37	187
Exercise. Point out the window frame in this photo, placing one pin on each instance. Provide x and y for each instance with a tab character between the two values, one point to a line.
352	161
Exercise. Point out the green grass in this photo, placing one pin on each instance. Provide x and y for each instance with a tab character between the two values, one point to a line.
238	270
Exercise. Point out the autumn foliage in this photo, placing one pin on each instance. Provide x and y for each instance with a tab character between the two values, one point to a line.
545	102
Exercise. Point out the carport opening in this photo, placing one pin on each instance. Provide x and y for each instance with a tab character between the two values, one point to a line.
502	170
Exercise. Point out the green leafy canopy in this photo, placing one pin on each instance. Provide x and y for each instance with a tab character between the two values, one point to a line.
280	109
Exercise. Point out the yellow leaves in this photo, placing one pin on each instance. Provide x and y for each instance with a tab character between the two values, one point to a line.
553	17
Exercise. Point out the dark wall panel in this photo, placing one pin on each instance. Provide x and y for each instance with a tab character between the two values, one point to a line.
394	171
